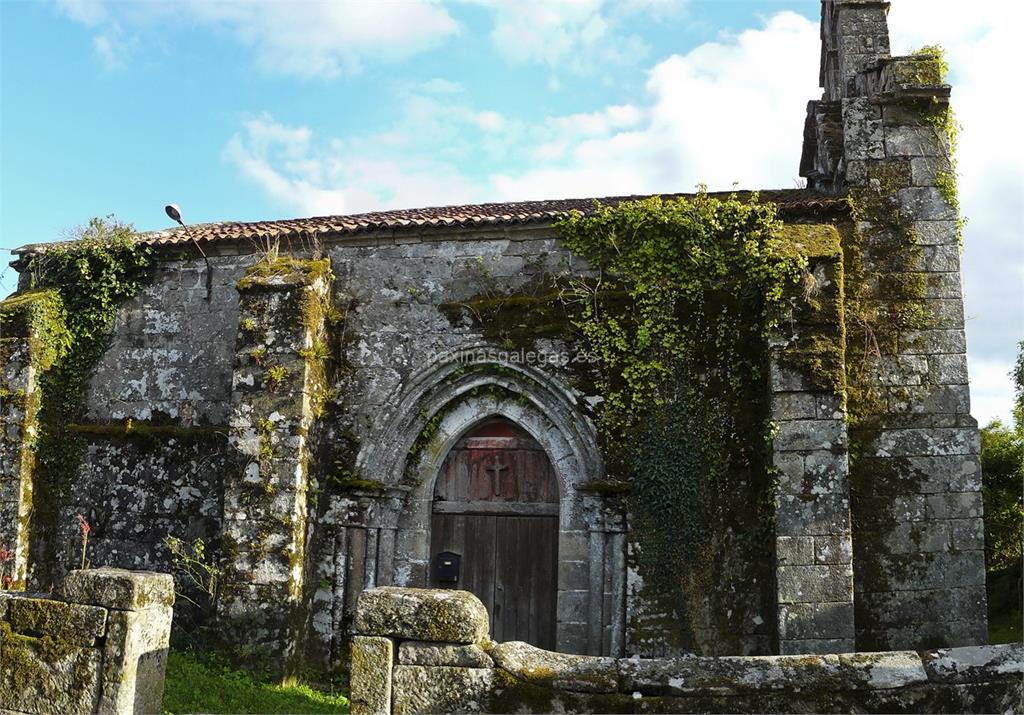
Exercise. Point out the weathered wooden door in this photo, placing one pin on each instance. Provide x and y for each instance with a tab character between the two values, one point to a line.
496	507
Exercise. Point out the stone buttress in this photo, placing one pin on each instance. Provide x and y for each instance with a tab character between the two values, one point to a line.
277	388
814	558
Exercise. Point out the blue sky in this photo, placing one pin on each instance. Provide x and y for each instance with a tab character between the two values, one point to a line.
254	110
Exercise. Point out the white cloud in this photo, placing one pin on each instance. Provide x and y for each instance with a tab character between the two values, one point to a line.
315	38
88	12
108	52
981	42
298	182
324	38
718	115
490	121
991	389
335	177
577	36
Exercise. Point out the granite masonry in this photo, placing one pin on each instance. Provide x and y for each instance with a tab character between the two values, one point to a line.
404	661
98	645
291	398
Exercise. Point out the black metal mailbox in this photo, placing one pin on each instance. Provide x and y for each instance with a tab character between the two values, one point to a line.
446	567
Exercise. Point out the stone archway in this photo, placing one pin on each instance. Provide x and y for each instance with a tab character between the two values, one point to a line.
438	407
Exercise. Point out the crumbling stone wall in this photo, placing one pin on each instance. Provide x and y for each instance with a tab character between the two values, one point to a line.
428	651
98	646
399	303
21	358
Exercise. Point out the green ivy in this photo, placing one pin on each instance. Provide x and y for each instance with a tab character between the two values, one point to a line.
93	275
688	291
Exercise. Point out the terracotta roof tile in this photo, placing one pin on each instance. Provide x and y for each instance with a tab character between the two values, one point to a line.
793	203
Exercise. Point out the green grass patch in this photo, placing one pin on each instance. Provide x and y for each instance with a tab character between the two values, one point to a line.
1004	627
204	683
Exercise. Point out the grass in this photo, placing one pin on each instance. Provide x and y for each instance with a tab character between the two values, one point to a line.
203	683
1004	627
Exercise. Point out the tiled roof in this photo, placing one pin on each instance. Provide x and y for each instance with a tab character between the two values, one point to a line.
793	204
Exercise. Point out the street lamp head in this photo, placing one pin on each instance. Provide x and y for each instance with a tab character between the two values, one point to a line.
175	213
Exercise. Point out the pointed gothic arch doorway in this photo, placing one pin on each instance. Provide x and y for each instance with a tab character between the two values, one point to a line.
494	530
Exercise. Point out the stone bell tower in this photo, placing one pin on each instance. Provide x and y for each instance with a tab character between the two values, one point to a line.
881	135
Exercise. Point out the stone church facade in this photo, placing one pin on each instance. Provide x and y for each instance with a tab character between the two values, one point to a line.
324	404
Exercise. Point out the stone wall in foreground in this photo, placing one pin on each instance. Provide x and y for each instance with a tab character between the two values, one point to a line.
428	651
98	646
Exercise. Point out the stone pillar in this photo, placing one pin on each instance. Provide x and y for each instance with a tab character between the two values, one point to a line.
602	575
441	663
278	389
99	646
814	570
31	338
139	609
358	536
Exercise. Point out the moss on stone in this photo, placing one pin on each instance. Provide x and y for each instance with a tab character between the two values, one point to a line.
149	431
356	484
74	623
512	321
606	486
40	316
286	271
808	240
25	661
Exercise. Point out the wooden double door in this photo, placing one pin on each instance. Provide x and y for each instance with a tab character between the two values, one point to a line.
495	515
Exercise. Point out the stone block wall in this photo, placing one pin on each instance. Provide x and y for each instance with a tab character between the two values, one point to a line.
98	646
427	651
172	349
303	452
131	512
918	497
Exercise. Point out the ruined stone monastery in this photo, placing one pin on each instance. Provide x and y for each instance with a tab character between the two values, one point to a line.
336	403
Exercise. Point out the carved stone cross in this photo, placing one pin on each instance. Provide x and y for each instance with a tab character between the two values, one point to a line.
496	469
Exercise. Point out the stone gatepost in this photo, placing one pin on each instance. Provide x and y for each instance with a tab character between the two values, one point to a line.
916	481
420	650
31	338
814	569
278	389
98	646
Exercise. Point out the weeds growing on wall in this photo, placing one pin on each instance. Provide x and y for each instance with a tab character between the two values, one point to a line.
688	291
941	118
93	275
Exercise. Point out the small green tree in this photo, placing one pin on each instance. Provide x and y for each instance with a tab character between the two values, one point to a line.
1002	464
